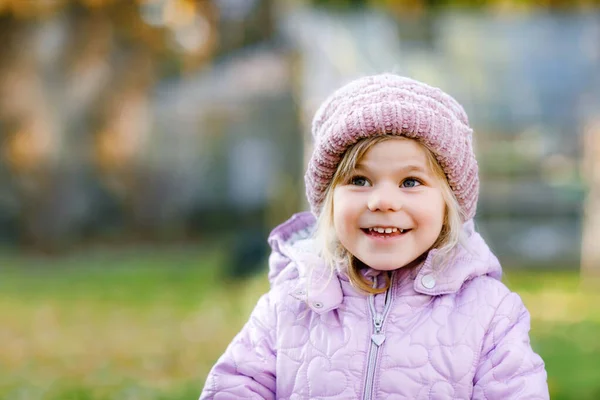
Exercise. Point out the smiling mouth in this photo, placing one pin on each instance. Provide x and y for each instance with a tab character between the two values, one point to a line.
385	232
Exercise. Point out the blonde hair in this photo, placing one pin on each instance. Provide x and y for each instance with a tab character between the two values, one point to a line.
332	250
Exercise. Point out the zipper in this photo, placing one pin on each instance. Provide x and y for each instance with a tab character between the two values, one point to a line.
377	338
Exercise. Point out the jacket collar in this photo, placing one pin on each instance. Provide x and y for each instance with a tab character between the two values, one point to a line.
470	259
319	286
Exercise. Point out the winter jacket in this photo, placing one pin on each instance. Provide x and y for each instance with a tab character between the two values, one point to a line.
451	333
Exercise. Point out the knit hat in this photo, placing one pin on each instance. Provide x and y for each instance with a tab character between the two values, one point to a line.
392	105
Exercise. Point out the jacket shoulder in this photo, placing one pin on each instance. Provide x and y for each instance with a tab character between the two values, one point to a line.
483	291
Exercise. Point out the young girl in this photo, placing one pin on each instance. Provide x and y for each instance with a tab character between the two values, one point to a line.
385	290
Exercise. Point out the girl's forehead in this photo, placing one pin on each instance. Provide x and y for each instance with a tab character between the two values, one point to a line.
395	153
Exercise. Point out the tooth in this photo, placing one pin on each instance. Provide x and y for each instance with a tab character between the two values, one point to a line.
370	229
380	230
394	230
388	230
401	230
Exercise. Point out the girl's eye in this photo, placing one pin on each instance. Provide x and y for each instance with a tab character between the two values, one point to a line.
410	183
359	181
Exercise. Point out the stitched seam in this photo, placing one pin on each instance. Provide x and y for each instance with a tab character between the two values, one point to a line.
488	331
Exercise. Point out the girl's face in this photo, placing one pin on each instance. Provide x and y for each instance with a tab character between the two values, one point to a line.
390	211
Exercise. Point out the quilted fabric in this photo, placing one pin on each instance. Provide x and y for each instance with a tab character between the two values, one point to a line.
451	333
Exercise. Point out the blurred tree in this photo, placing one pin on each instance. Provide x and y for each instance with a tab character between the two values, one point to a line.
78	108
590	255
341	3
402	6
85	83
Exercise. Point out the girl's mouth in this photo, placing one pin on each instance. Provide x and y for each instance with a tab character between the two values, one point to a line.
380	232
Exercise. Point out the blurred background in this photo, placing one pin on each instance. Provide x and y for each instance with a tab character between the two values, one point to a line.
149	146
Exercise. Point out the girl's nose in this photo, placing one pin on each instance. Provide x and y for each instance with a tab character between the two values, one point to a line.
385	199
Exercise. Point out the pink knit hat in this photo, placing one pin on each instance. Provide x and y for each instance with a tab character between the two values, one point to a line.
392	105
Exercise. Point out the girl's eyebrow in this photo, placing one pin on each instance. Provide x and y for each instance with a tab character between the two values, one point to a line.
409	168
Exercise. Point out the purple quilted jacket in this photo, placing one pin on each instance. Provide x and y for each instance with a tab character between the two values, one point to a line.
456	334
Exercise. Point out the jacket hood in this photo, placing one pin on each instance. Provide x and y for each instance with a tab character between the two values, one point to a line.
292	246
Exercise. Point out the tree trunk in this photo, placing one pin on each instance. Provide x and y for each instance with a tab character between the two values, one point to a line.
590	254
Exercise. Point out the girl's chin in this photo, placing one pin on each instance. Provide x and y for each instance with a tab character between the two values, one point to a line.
383	266
391	265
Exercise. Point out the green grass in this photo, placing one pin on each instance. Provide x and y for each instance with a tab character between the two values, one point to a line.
565	329
149	323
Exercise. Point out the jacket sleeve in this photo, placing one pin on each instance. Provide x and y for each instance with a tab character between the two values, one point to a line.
508	367
247	368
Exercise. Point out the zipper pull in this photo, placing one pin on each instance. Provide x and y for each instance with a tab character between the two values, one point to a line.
377	322
378	338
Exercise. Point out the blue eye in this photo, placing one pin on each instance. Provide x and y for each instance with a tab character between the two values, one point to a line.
410	183
359	181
